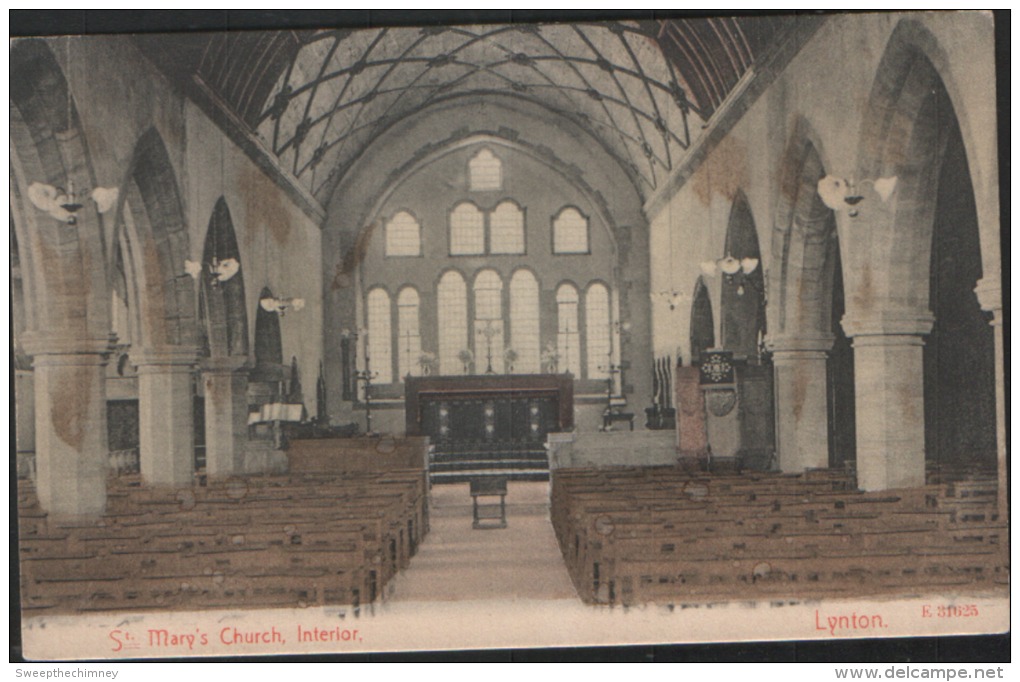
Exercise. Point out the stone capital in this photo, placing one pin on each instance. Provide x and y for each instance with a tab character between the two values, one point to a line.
989	293
223	365
800	343
165	358
888	323
52	350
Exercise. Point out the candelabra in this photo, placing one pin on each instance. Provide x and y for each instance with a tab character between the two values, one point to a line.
363	376
610	370
489	332
366	376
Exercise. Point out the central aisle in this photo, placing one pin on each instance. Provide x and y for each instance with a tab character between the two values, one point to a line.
456	562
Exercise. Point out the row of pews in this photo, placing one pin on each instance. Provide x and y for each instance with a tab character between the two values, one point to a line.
633	535
303	539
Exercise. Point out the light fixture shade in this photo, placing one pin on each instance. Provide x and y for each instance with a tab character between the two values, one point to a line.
193	268
729	265
105	198
748	265
833	191
708	268
885	187
280	305
49	199
225	269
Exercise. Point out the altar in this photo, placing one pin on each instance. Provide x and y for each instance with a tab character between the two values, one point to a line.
484	424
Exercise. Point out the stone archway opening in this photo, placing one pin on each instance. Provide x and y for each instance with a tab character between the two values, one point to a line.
959	360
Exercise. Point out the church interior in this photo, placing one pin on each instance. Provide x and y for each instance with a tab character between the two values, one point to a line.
684	309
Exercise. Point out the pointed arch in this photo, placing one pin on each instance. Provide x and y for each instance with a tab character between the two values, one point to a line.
743	297
224	314
48	146
702	322
926	252
804	244
268	343
151	229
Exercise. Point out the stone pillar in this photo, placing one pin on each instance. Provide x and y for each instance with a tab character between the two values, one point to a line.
24	405
71	447
226	414
989	295
166	403
802	401
889	397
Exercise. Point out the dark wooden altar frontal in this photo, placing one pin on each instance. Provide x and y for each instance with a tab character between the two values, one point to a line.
557	389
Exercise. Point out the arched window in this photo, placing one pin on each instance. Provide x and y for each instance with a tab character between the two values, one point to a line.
568	340
467	230
570	232
380	337
403	235
597	331
408	332
451	297
489	321
506	229
485	171
524	322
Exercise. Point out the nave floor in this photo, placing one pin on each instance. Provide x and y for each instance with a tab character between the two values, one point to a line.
457	562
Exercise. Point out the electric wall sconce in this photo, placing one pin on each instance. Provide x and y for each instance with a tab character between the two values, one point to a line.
219	270
281	305
64	204
840	193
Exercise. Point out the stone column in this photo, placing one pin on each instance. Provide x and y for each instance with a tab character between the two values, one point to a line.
989	294
802	401
226	414
889	397
71	446
166	403
24	405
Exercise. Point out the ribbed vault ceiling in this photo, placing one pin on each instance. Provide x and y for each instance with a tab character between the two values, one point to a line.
318	98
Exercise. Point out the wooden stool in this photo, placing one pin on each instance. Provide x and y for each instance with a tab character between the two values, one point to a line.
489	486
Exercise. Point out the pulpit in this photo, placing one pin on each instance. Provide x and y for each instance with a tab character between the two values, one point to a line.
724	412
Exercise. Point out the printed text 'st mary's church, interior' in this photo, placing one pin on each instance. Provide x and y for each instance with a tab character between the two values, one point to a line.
283	301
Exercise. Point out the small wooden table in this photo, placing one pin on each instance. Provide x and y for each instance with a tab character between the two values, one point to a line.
495	514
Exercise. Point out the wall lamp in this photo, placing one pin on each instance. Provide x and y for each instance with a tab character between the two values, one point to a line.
281	305
219	270
733	269
63	204
839	193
